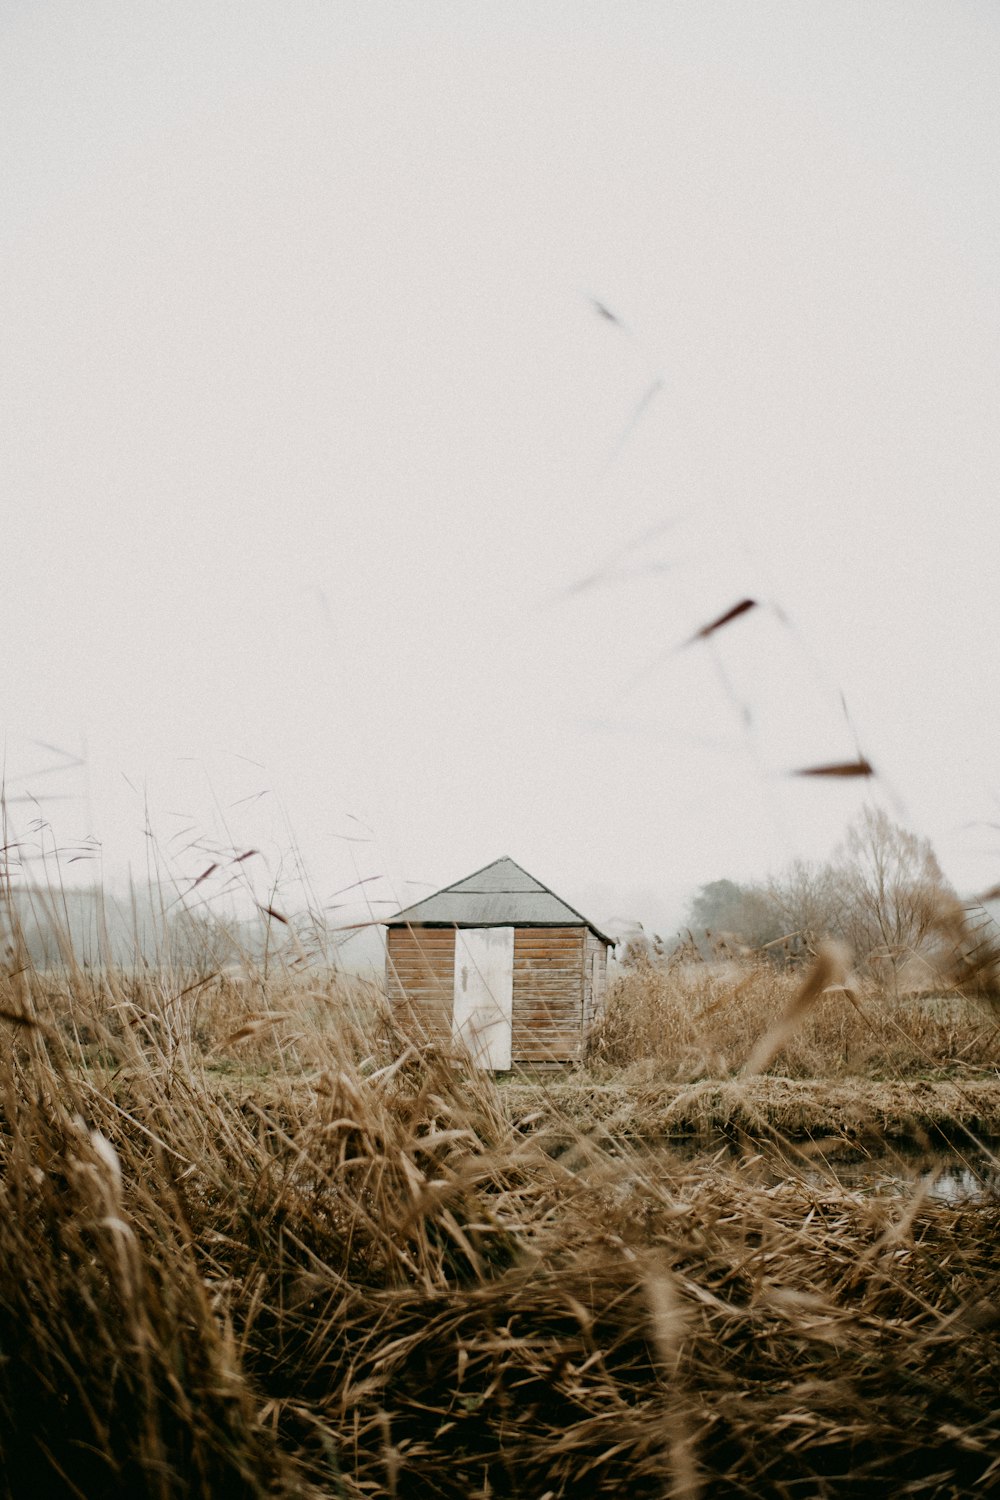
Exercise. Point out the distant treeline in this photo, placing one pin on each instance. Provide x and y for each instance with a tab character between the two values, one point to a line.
882	894
151	926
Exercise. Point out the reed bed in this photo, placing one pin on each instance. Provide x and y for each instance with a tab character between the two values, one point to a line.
702	1020
357	1271
848	1117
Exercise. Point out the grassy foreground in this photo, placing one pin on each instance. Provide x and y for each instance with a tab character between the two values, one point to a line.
253	1244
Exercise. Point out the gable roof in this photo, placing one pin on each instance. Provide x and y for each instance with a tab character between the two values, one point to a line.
498	895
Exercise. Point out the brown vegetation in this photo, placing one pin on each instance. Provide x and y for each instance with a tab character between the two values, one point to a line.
845	1118
353	1271
696	1020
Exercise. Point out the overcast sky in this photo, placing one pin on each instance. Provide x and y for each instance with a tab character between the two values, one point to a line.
333	506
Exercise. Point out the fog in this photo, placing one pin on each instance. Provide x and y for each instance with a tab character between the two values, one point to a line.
342	523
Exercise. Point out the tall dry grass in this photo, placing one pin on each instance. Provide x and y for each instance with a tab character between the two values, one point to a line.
349	1270
700	1020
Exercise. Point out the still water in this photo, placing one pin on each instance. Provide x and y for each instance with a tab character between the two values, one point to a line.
965	1178
953	1175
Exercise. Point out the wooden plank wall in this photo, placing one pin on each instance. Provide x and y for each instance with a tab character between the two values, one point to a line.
552	984
595	981
420	979
548	993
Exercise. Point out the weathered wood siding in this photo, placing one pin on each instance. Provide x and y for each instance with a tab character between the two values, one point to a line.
420	978
548	994
595	980
554	997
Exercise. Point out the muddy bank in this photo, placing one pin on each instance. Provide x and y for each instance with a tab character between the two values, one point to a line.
922	1112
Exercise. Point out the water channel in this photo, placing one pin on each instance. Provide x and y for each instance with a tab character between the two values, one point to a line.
953	1174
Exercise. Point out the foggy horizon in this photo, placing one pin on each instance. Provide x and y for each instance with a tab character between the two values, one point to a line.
393	394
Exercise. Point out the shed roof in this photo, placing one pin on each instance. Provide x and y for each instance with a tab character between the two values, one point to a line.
498	895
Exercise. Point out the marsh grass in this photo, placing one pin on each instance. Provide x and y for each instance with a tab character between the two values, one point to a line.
705	1020
253	1243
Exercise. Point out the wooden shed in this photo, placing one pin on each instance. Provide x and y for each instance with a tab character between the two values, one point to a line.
500	965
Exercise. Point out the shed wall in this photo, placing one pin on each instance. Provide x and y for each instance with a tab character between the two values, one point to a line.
595	981
420	970
548	993
552	966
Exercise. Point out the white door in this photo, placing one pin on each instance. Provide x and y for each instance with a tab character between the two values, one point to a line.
484	993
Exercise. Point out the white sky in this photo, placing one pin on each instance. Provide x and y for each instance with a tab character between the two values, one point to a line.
309	429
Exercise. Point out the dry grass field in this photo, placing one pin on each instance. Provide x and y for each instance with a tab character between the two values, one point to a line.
671	1055
251	1243
704	1020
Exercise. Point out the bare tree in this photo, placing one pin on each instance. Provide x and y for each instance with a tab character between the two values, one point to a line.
893	891
808	902
883	894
